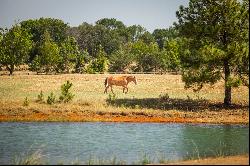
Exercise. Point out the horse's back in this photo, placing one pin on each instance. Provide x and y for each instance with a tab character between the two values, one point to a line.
119	81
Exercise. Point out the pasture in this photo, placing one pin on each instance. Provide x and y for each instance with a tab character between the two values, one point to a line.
155	98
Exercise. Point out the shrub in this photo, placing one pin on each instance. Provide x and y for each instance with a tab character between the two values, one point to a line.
51	98
26	102
137	106
66	96
112	97
164	96
40	97
89	70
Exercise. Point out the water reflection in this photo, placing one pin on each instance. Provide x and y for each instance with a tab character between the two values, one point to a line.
213	140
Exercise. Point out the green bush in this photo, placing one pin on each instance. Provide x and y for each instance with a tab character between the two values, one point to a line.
66	96
111	99
89	69
164	96
26	102
51	98
98	64
40	97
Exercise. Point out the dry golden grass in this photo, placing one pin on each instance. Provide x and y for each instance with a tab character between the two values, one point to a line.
227	160
141	104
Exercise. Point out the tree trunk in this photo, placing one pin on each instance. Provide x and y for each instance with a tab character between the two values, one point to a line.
11	72
228	88
10	69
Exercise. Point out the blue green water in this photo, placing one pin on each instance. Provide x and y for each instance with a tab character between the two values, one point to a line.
67	142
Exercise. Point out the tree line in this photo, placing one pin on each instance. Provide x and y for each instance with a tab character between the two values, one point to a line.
50	45
209	42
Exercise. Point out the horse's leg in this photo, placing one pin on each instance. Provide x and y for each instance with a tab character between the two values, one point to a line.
106	88
123	89
112	90
127	89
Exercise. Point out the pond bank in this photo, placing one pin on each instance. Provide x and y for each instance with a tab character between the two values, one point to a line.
227	160
90	112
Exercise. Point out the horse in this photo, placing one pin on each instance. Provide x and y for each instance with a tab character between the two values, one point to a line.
119	81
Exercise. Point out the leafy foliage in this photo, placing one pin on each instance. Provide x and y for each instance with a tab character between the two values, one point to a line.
51	98
121	59
38	27
66	96
81	58
91	37
15	46
68	55
216	43
111	98
162	35
108	45
147	56
26	102
171	54
48	55
164	96
99	64
40	97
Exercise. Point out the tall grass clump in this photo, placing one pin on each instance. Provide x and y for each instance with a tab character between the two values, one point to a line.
29	159
51	98
111	98
40	97
26	102
162	159
100	161
164	96
66	96
144	160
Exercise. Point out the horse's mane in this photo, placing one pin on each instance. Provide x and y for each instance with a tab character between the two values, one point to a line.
129	77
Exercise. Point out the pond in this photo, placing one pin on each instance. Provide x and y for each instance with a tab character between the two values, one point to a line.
65	142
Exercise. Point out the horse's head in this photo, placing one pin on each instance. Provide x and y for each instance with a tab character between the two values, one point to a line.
132	78
135	80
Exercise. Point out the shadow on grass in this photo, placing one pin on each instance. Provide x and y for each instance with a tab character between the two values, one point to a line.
173	104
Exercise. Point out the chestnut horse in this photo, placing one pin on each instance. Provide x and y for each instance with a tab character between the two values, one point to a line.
119	81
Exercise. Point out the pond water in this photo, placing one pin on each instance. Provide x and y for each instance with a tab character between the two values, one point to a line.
70	141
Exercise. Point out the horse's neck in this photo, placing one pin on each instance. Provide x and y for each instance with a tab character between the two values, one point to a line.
128	80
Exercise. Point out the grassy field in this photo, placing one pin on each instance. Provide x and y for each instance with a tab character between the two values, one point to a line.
156	98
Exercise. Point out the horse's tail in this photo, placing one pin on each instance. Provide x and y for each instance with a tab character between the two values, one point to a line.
106	82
